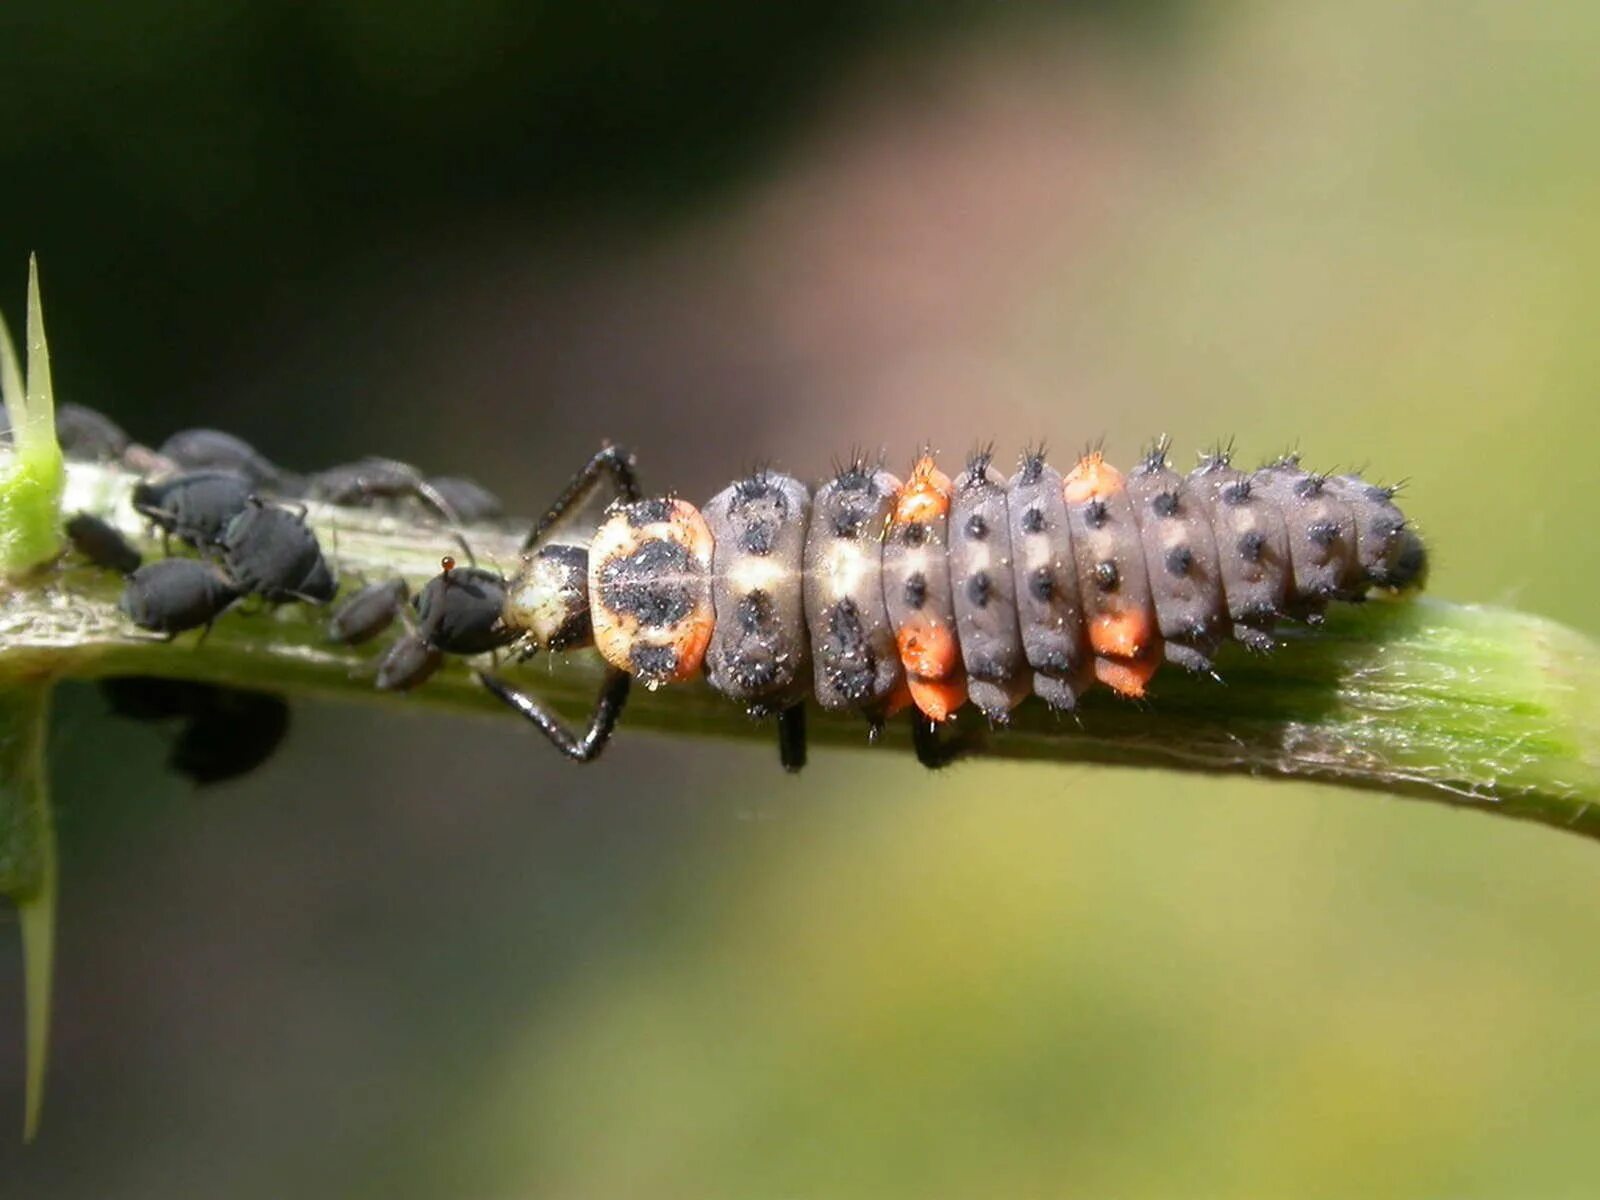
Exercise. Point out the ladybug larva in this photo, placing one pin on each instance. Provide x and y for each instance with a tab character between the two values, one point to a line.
877	596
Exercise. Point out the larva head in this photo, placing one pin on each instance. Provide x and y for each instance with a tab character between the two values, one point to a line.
1408	562
548	600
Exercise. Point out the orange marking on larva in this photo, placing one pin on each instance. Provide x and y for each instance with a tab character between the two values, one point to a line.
926	495
1092	479
927	650
692	640
937	699
1127	676
899	700
934	673
1124	634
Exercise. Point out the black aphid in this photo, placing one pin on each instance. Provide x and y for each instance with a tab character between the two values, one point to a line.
408	663
368	613
459	610
372	479
102	544
176	594
271	552
88	436
193	506
213	450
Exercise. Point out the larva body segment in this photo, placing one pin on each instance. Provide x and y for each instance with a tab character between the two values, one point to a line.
916	592
1181	559
1049	609
1112	579
1389	553
1252	549
1322	537
650	590
855	663
760	652
985	592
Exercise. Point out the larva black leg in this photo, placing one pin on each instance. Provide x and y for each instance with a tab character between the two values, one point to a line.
792	737
586	748
612	461
933	750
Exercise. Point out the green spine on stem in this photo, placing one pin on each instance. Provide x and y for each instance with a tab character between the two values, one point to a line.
32	480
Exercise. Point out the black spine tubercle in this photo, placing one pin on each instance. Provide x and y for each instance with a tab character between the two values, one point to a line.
1033	463
855	471
1153	460
978	460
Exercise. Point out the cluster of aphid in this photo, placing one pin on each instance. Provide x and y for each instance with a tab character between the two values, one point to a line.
237	512
869	595
215	494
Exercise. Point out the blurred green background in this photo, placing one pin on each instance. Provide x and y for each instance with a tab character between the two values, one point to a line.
421	957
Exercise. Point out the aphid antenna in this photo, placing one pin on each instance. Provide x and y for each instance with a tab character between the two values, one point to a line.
447	510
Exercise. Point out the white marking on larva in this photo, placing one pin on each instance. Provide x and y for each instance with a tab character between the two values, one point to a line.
843	569
1036	553
756	573
980	559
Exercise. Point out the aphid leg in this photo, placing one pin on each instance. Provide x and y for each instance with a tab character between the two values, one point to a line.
792	737
612	461
607	708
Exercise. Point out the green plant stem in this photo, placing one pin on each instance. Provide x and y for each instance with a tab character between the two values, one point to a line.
1481	707
28	866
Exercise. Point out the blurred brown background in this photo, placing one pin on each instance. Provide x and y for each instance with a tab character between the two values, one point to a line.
421	957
